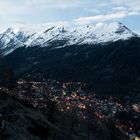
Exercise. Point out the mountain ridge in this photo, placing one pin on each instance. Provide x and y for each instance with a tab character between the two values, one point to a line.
68	34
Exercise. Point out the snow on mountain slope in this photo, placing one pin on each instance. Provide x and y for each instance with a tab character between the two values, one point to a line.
11	39
85	34
70	34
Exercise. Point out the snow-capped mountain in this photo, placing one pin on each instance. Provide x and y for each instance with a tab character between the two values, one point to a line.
68	34
105	56
87	34
11	39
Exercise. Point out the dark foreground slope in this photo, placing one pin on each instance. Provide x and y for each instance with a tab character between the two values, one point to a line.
19	121
112	68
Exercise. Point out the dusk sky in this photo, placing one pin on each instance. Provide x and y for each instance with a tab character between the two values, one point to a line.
14	12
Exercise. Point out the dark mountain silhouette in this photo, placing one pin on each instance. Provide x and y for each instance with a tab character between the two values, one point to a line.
112	68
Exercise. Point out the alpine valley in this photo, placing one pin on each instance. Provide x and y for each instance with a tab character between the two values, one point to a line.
106	56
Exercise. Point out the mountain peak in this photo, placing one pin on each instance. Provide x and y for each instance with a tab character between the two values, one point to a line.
7	31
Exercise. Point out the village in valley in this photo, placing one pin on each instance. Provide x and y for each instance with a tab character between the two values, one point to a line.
75	97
